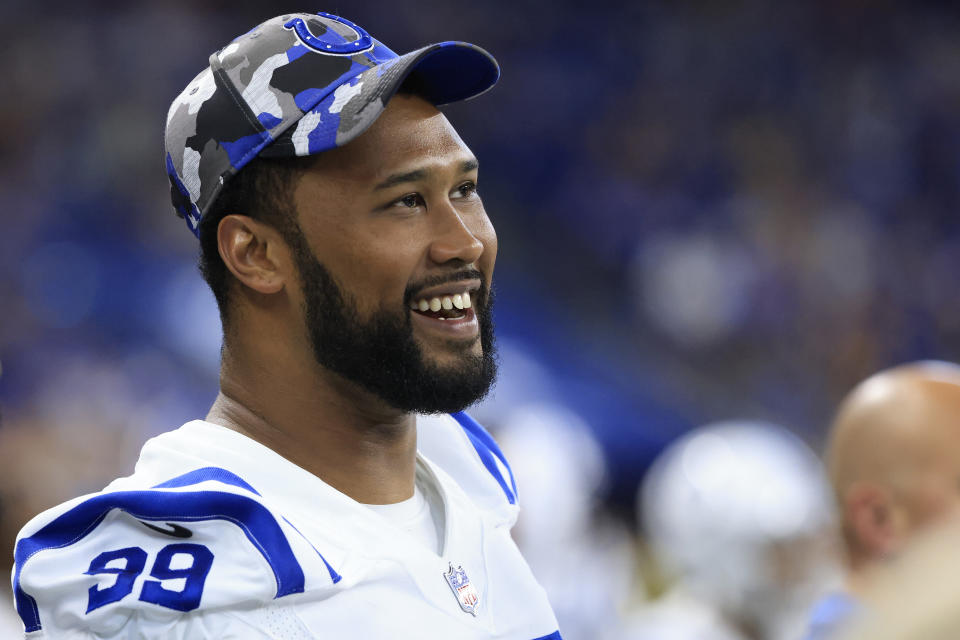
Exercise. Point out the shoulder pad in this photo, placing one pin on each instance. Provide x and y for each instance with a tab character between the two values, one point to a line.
203	540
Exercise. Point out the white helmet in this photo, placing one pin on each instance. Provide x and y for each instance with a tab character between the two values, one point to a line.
741	513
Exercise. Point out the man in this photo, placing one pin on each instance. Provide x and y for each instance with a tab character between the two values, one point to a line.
915	596
894	461
350	254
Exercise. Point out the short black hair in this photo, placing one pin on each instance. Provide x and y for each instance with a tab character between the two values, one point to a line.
262	190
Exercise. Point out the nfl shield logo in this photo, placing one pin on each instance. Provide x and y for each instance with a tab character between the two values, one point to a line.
461	587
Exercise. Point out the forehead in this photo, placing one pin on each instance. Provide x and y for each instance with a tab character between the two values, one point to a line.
410	133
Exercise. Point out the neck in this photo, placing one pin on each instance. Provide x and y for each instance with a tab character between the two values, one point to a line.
320	422
861	574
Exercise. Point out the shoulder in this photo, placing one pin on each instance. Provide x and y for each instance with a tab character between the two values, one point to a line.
203	540
467	452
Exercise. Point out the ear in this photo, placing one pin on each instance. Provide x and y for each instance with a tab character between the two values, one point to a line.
253	252
874	518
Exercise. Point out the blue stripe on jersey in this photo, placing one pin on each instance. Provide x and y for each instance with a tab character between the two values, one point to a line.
486	448
207	473
252	517
219	474
336	577
553	636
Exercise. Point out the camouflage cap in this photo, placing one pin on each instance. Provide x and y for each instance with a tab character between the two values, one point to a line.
296	85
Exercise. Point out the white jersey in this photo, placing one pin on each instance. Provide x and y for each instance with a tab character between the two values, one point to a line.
217	536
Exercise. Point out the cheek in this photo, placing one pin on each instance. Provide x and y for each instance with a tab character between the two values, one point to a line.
936	499
376	270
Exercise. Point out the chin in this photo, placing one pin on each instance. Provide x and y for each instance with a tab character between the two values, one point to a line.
454	355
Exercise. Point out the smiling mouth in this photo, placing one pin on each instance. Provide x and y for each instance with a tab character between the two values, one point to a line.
452	307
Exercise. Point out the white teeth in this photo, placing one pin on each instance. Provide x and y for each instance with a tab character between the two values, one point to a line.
447	303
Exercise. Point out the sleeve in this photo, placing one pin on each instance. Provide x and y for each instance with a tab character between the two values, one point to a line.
159	562
468	453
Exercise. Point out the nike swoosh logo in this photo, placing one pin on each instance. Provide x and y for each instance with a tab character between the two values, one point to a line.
175	530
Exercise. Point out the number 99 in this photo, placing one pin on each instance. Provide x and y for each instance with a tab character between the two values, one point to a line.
185	599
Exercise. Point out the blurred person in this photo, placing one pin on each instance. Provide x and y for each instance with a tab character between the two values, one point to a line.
351	257
913	596
561	469
739	515
893	457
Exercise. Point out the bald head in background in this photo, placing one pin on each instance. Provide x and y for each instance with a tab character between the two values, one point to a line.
894	460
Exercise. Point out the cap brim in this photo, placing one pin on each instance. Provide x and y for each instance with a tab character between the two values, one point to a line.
443	73
447	71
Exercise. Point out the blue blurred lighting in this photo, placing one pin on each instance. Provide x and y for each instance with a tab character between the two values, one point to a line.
60	282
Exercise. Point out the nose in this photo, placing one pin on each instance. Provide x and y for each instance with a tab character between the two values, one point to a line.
458	236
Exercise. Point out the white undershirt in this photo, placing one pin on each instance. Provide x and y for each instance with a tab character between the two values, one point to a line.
422	515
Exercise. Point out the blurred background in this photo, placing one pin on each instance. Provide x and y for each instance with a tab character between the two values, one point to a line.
707	211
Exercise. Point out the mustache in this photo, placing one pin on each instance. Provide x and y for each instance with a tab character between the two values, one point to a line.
435	281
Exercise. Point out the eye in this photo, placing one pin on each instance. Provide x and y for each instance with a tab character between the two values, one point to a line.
466	190
409	201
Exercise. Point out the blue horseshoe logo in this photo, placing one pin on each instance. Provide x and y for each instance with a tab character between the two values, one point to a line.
363	42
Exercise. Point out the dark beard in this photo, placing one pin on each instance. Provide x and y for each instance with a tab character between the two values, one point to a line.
381	354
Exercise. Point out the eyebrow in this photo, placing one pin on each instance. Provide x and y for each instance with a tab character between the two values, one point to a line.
419	174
